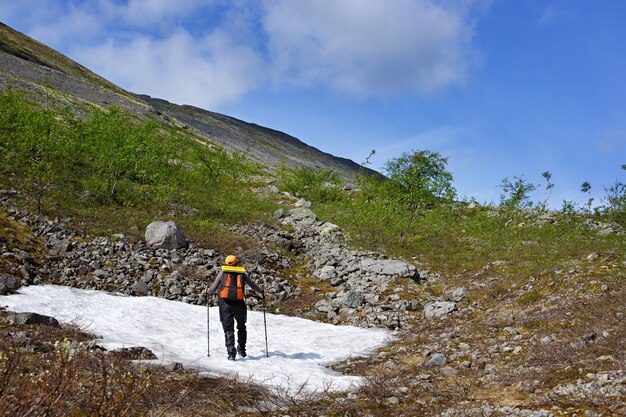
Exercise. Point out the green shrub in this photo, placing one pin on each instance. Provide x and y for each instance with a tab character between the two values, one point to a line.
317	186
615	200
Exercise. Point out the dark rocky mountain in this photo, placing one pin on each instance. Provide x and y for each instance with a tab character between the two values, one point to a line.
26	64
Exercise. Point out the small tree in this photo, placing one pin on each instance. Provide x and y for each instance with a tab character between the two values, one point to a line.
516	193
547	175
586	188
616	200
418	181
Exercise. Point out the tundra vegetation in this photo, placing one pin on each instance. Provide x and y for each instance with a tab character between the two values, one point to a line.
112	172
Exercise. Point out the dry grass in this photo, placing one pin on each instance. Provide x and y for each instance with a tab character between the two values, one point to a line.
50	371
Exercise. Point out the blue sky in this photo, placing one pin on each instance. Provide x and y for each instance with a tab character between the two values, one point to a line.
502	88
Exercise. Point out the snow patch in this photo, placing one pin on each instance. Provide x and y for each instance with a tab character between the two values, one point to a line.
299	349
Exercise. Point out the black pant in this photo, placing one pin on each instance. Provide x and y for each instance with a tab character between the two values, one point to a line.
229	312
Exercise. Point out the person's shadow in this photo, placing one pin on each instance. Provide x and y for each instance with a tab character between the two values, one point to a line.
299	355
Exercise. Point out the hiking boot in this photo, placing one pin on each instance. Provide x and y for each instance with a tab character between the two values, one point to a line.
231	357
242	353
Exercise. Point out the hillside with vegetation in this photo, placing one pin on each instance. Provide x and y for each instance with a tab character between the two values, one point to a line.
28	65
516	308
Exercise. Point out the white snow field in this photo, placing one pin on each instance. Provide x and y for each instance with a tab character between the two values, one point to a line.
299	349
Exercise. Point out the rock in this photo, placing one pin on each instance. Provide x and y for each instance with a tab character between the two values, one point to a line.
165	235
60	246
175	366
436	359
100	273
302	215
329	229
457	294
449	371
511	330
438	309
324	306
31	318
280	213
325	272
272	189
353	299
388	267
8	285
545	218
302	203
140	288
613	229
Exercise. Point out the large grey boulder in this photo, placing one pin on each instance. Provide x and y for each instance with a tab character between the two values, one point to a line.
165	235
388	267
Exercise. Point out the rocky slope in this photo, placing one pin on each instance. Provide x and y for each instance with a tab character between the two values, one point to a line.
363	287
462	347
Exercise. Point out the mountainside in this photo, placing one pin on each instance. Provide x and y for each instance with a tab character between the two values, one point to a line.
28	65
496	310
262	144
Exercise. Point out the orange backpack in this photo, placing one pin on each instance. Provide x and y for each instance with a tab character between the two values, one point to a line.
233	283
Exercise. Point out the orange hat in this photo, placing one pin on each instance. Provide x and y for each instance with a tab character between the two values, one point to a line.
231	260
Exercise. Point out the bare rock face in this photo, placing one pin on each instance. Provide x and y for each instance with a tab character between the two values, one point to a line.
165	235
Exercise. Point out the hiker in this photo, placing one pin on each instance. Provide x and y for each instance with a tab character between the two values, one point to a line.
230	285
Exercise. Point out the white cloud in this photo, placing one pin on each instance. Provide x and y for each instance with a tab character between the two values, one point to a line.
144	13
71	24
368	47
204	72
552	13
211	52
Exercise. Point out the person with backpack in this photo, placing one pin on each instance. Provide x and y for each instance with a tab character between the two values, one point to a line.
230	286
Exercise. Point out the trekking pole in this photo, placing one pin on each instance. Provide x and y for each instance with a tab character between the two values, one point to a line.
267	355
208	327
